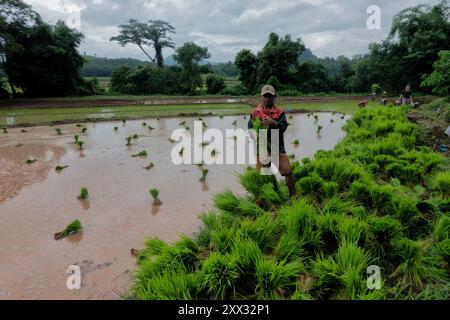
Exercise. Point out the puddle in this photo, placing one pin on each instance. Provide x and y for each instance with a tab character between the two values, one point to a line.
36	202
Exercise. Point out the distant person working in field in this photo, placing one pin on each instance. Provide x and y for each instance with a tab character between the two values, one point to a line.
406	96
273	117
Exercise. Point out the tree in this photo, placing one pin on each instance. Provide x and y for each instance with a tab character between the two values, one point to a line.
119	79
312	77
278	57
189	55
15	19
215	84
439	80
152	34
247	63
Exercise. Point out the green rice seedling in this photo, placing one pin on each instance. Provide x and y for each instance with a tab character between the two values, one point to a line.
124	121
258	125
352	262
441	230
155	193
213	152
151	165
79	125
382	199
383	231
353	230
19	145
220	276
274	278
80	144
150	128
144	124
76	138
182	123
228	202
332	120
128	139
181	152
289	247
72	228
316	117
84	130
24	131
319	128
221	117
140	154
172	140
326	272
440	183
429	161
135	136
116	128
296	142
342	117
60	168
252	181
58	131
222	239
263	231
291	117
204	174
5	130
270	196
417	267
310	185
158	118
328	227
235	123
308	115
330	188
84	194
205	143
187	128
31	161
170	285
246	253
292	156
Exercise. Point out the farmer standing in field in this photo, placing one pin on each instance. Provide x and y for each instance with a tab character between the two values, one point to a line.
274	117
406	96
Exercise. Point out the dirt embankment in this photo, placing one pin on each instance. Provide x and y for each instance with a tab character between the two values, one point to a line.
64	102
433	119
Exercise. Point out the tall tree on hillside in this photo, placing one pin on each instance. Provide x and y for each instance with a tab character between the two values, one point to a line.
154	34
189	55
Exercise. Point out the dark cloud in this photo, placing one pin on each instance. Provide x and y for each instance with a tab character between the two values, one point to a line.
329	28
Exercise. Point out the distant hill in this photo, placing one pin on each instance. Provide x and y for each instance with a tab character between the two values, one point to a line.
104	67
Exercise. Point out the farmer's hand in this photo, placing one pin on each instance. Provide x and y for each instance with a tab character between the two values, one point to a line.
268	122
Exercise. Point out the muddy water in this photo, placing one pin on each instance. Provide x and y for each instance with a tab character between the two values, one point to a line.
36	201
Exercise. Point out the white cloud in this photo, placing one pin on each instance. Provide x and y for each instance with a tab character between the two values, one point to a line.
328	27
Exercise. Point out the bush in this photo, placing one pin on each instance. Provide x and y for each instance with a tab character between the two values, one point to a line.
215	84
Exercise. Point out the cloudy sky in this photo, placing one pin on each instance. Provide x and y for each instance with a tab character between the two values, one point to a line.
329	28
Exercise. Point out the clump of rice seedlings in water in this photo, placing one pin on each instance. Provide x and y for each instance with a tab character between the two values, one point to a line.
135	136
155	193
84	194
296	142
128	139
58	131
24	131
316	117
331	120
124	121
140	154
181	152
31	161
79	125
187	128
80	144
5	130
116	128
60	168
76	138
72	228
182	123
235	123
319	128
19	145
151	165
84	130
144	124
150	128
213	152
204	174
172	140
292	156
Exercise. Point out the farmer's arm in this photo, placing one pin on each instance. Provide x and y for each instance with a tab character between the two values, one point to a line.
280	124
